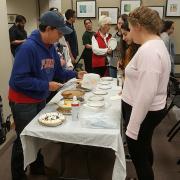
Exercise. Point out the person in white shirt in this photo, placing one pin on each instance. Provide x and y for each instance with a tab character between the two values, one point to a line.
145	88
63	48
66	62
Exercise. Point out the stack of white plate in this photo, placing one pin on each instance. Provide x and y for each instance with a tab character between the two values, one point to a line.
96	101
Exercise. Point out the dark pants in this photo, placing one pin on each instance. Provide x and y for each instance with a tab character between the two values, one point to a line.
23	114
87	55
112	71
141	150
100	70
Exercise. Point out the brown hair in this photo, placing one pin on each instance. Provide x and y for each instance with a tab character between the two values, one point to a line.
167	25
124	17
70	13
146	17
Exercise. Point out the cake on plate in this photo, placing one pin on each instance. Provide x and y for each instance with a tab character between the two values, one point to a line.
65	106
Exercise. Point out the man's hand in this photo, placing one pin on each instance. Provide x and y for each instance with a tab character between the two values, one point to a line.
63	61
81	74
54	86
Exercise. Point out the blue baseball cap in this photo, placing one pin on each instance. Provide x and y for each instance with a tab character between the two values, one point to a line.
55	19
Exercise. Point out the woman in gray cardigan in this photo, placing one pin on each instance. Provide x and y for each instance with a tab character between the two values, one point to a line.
167	31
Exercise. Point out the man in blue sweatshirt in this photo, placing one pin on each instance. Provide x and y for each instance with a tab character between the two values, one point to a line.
36	64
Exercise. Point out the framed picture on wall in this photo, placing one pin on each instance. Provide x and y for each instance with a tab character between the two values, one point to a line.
159	9
86	9
129	5
111	12
173	8
11	18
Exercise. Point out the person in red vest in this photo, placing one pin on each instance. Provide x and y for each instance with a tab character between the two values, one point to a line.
99	46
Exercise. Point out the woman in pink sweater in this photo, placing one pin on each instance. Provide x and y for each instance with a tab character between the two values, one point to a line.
145	88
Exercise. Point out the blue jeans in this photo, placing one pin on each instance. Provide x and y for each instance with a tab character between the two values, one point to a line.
112	71
22	114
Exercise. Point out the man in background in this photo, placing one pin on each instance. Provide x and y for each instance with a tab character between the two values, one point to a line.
17	33
87	42
72	37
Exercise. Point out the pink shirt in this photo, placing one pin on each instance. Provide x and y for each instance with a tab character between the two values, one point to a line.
146	80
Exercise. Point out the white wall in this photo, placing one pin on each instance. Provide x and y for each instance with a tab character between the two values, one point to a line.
55	3
27	8
5	56
46	4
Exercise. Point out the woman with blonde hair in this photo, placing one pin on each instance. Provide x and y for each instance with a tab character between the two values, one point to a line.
145	88
100	46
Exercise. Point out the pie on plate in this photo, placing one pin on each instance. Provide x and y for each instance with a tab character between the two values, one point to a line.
51	119
68	94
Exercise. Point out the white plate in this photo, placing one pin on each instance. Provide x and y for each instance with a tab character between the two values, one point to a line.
117	97
100	92
51	119
104	82
107	78
96	98
95	103
104	87
112	43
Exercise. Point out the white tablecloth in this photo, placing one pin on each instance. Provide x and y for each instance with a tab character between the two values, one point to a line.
36	136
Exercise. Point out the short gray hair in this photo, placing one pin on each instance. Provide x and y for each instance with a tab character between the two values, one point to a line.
104	20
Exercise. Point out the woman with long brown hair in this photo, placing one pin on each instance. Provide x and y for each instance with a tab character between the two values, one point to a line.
128	47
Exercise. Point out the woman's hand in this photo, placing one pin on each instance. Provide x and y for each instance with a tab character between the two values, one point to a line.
109	51
120	65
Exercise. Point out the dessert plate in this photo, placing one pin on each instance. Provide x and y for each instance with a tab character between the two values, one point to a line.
96	98
117	97
104	87
104	82
106	78
51	119
100	92
95	103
